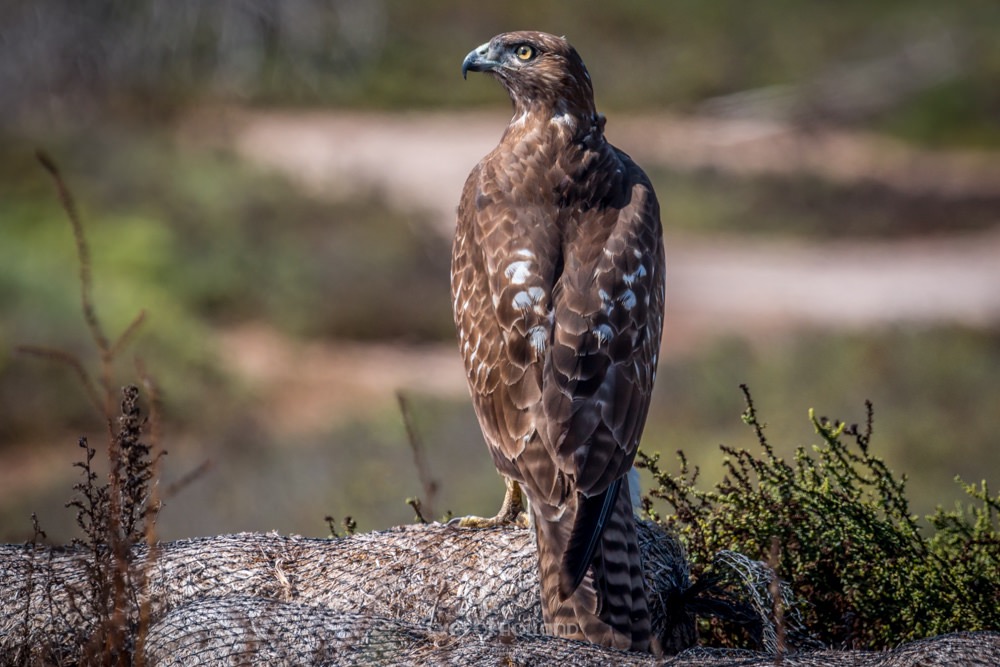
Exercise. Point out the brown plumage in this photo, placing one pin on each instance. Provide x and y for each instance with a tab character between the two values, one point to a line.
558	284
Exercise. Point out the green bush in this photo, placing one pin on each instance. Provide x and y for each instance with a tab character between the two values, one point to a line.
866	573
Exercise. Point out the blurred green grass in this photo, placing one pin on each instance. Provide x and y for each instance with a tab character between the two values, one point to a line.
934	390
202	241
805	206
199	240
199	223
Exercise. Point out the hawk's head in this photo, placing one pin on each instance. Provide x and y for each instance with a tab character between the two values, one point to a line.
537	69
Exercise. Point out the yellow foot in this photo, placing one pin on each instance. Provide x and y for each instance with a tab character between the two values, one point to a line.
520	520
511	512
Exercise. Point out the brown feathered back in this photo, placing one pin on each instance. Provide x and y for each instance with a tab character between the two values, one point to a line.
558	288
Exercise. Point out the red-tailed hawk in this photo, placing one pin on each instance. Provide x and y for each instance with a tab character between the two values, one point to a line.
558	283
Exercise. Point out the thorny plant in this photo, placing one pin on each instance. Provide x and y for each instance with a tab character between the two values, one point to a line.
113	516
862	570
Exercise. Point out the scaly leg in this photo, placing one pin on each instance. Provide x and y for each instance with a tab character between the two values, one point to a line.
512	511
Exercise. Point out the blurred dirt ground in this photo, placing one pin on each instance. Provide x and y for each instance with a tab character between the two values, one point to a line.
761	289
721	285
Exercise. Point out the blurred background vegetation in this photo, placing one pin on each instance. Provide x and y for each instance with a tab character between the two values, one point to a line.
263	296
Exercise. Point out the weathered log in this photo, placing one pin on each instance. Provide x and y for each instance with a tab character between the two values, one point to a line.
430	575
410	595
253	631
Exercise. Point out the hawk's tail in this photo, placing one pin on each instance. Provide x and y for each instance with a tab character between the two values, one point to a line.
609	606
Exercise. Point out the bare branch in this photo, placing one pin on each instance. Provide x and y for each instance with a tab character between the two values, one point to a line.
427	481
74	363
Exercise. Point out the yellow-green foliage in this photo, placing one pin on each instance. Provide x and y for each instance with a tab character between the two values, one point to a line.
869	574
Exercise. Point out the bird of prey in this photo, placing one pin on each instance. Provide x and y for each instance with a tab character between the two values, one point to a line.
558	287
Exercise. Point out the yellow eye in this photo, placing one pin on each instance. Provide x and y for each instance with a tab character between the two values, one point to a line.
524	52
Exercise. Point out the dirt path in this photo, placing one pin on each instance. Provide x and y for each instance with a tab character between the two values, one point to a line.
757	290
421	160
716	286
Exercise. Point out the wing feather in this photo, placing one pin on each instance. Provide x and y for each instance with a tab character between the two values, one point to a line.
608	322
561	332
557	281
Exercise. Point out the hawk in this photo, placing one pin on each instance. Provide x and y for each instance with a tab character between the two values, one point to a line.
558	286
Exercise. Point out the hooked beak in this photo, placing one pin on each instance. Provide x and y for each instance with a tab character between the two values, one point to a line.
480	59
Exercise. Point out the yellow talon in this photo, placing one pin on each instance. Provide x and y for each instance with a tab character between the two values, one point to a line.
512	511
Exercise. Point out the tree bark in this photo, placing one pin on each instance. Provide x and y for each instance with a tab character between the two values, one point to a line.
411	595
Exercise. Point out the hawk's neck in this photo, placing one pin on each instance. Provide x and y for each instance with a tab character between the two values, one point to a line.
561	124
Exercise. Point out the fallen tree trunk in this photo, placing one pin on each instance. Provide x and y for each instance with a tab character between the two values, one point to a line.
450	579
410	595
242	631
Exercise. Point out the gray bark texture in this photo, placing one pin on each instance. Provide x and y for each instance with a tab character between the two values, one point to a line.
414	595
